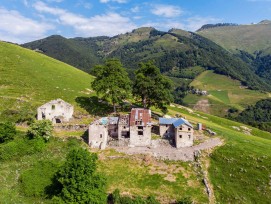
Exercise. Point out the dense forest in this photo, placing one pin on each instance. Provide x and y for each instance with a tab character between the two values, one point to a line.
258	115
207	26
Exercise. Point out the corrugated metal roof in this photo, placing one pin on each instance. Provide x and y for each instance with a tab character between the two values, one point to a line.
113	120
167	121
181	121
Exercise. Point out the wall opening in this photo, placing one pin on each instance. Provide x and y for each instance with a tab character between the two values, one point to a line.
140	132
53	107
58	120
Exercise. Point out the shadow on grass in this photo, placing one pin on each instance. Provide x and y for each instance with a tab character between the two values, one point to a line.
93	106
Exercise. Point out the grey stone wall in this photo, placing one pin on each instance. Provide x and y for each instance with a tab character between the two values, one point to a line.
184	136
97	136
166	131
57	111
140	135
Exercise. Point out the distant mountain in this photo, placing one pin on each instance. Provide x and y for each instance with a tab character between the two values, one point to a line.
250	42
250	38
173	52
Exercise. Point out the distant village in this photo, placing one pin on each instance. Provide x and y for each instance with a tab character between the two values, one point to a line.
134	129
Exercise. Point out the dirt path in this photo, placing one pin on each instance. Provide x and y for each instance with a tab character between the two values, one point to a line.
169	152
202	105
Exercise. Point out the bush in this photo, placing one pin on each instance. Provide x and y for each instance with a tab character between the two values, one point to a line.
79	181
21	147
7	132
40	128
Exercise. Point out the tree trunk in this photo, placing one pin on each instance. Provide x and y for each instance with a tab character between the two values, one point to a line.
114	105
144	101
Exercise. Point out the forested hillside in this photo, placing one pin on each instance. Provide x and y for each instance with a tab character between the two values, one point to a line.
258	115
175	52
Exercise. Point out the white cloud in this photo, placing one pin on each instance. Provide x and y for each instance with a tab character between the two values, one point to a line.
106	24
135	9
118	1
195	23
167	11
16	28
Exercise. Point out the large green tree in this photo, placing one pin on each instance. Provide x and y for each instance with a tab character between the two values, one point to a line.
79	181
112	82
152	87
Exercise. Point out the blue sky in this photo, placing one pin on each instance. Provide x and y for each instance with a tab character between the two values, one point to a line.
26	20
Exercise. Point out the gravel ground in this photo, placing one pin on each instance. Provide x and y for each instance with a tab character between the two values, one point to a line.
163	150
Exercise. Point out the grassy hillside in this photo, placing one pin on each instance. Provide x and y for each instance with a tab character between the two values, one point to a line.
240	169
29	79
224	93
250	38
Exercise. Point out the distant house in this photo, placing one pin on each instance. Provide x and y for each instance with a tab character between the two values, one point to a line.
140	127
57	111
177	129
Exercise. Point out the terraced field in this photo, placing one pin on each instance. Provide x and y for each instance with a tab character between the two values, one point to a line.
224	93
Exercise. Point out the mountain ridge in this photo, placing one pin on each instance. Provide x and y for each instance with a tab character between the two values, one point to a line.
172	51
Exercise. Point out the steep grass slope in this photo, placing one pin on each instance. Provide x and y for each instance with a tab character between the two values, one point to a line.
250	38
29	79
224	93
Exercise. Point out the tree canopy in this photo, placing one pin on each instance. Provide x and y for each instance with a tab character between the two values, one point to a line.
152	87
79	180
112	82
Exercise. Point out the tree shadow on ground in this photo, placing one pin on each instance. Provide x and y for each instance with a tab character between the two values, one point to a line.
85	136
94	106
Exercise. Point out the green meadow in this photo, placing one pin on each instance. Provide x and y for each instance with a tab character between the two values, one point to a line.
224	93
239	170
29	79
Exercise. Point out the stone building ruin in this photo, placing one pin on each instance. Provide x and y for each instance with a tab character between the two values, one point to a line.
57	111
177	129
135	129
140	127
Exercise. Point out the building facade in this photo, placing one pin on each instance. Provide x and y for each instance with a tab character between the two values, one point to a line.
57	111
177	129
140	127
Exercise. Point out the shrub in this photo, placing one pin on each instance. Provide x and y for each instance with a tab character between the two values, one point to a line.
40	128
7	132
79	181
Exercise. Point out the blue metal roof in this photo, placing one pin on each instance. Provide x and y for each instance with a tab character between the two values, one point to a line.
181	121
167	121
113	120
